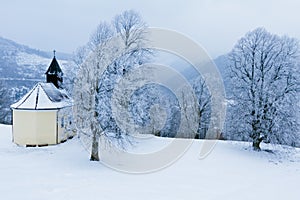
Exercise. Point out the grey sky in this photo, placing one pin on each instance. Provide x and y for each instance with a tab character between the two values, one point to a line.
215	24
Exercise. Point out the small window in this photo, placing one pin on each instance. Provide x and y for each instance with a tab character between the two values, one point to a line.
62	122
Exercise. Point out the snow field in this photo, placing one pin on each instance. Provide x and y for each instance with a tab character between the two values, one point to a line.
230	171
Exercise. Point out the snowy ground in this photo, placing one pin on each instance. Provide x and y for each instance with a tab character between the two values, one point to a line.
231	171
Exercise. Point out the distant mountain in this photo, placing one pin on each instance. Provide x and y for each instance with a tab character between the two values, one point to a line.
222	64
189	72
22	62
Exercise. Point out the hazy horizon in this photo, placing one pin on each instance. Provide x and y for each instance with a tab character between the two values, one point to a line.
216	25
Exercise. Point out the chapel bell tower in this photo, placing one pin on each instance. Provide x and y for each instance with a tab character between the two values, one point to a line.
54	73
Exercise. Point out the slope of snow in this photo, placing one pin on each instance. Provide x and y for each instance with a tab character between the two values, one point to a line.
231	171
31	59
35	61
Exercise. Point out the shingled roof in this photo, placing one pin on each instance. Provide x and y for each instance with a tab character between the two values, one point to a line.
43	96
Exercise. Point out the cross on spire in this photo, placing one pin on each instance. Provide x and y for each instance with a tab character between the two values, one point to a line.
54	52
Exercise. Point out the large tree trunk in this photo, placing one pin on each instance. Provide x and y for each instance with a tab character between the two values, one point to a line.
256	144
256	136
95	130
95	145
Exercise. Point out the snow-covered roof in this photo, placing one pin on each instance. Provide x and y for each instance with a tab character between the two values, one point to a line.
44	96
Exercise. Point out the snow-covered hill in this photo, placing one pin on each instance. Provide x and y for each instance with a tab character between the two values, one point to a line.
230	171
22	62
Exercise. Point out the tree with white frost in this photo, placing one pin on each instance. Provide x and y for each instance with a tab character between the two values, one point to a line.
264	72
112	50
204	106
4	107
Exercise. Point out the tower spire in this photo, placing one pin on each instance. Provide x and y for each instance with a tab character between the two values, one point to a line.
54	73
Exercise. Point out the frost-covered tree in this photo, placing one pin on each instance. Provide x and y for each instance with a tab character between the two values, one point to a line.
4	107
102	33
156	109
204	106
264	74
86	92
112	51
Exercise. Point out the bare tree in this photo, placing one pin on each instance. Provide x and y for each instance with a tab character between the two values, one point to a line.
80	54
102	33
111	54
4	107
130	26
86	92
204	106
263	70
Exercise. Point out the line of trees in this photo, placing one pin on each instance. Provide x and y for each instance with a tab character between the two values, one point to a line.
113	50
263	101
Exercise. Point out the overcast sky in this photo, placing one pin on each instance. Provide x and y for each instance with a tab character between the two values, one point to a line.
215	24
